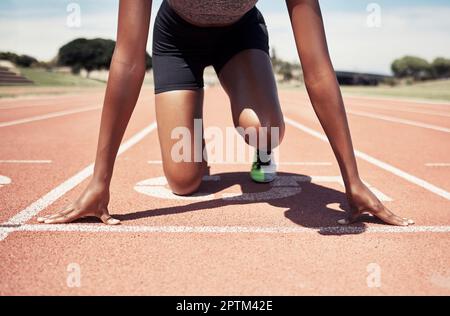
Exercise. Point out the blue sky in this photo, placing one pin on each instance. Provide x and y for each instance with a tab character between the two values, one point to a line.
416	27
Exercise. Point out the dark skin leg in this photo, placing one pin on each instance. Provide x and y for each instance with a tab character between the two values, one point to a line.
249	81
183	177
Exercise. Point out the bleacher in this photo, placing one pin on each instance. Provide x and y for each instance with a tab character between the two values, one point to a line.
10	77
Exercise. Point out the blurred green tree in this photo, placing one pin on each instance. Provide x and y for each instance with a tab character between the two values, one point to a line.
412	67
441	68
20	60
89	54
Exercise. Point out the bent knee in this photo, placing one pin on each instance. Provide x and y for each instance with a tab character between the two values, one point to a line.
184	181
272	127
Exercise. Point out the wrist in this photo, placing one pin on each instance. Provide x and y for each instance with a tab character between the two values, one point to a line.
352	184
100	182
350	174
102	176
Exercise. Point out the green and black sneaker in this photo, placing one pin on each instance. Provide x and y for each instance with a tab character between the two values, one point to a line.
263	171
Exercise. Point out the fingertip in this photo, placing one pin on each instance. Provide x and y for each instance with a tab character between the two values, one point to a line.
113	221
408	221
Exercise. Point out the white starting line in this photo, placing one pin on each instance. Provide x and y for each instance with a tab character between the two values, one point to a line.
17	222
102	228
48	199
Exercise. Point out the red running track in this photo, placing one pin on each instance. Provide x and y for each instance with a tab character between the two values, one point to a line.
236	237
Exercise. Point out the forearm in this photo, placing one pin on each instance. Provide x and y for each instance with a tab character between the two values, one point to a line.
327	101
124	84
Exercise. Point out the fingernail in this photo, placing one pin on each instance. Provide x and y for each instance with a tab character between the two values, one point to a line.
113	221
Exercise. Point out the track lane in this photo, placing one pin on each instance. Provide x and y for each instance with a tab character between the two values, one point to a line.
236	263
58	139
410	149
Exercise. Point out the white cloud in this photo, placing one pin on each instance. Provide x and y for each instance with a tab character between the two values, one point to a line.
42	37
422	31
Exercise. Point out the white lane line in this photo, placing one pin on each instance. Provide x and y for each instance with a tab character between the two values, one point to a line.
101	228
399	120
415	102
287	163
25	161
39	98
36	104
155	162
438	164
49	115
383	165
5	231
46	200
394	109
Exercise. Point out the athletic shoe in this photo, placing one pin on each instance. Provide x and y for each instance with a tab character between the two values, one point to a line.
263	171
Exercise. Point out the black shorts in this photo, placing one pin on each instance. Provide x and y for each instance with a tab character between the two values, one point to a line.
181	50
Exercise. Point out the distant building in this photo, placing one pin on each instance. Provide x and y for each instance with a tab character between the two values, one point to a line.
347	78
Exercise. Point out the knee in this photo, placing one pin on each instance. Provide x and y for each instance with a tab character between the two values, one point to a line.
272	126
184	180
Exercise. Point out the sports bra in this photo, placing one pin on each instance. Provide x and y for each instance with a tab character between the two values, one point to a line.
211	12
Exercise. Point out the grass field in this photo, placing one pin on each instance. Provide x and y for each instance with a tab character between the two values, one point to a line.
47	82
42	77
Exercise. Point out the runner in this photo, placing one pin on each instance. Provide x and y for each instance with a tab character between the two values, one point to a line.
232	37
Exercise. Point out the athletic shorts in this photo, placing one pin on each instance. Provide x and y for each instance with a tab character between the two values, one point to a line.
181	50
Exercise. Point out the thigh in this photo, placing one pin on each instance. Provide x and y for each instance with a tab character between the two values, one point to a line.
249	81
172	73
180	52
176	111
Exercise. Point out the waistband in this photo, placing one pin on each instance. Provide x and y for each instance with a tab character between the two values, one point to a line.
167	9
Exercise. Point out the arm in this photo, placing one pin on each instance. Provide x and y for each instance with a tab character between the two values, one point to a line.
324	92
124	84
